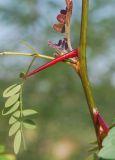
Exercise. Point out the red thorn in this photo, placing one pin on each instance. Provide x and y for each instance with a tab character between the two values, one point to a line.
71	54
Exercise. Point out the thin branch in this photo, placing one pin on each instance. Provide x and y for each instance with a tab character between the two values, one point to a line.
26	54
30	65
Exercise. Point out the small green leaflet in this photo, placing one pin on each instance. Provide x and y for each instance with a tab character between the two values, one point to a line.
13	109
17	142
108	150
12	120
17	114
14	128
12	90
29	124
28	112
11	100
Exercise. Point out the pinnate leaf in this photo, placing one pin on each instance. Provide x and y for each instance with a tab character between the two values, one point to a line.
11	90
29	124
28	112
13	109
17	142
11	100
14	128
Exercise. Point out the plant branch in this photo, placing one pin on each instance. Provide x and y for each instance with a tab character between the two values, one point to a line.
26	54
83	65
30	65
83	62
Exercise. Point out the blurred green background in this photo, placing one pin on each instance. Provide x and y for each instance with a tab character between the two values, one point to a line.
64	125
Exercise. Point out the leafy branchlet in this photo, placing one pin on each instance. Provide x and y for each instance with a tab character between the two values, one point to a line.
19	118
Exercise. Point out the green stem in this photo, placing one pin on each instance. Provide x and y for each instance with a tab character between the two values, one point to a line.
83	64
21	106
26	54
21	111
30	65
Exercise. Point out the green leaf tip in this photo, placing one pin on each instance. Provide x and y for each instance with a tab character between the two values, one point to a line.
17	142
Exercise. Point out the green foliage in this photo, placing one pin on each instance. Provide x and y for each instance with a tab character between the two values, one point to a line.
12	90
11	100
17	141
13	108
17	114
29	124
12	120
29	112
108	150
14	128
